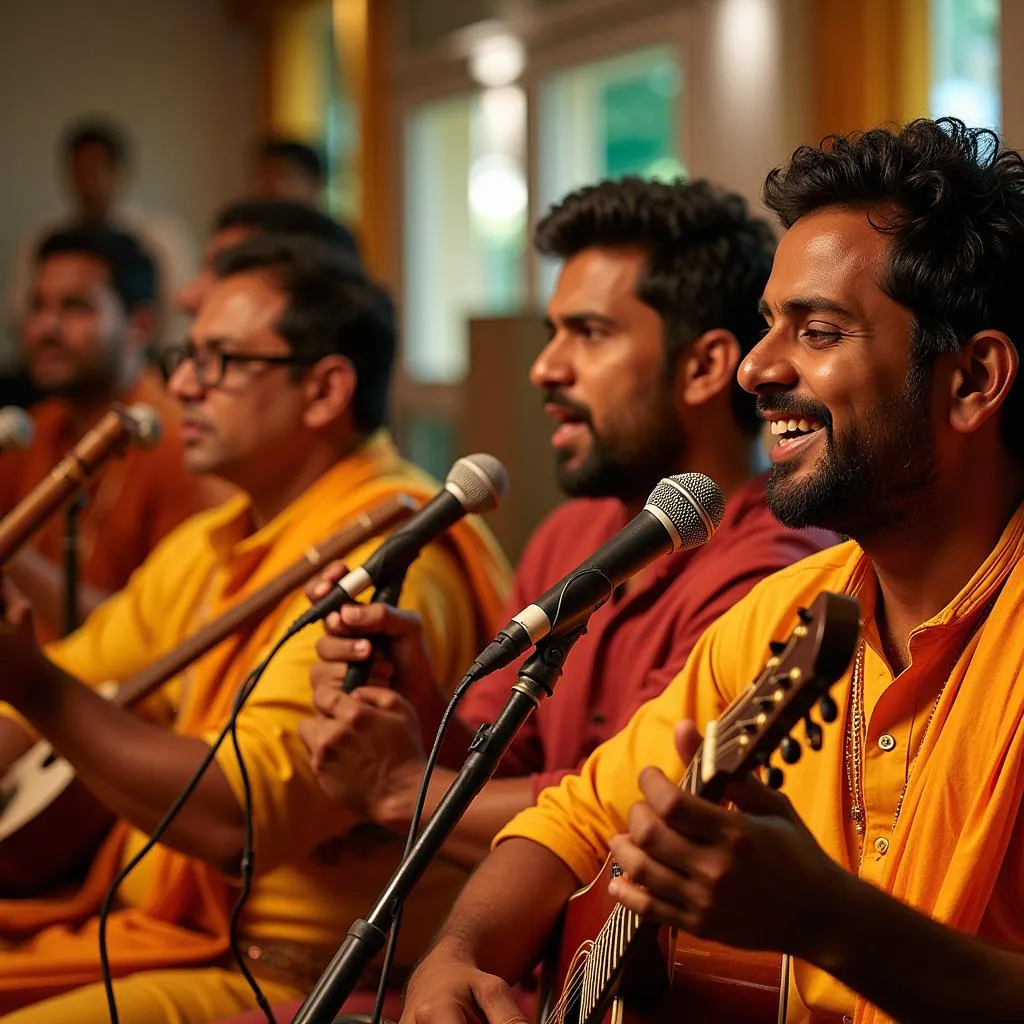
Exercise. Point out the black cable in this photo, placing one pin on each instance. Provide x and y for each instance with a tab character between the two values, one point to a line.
247	864
414	825
167	820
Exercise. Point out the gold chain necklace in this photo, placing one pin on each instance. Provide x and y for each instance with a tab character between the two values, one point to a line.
855	733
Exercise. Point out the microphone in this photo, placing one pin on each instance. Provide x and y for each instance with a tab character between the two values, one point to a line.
682	512
17	430
118	427
475	483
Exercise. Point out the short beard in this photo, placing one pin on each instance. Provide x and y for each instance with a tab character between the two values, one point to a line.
867	480
628	471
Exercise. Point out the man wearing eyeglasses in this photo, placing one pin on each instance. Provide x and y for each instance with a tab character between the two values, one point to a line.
88	319
282	386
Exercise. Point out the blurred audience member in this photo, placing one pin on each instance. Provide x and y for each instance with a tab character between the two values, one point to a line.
97	162
247	218
84	337
288	169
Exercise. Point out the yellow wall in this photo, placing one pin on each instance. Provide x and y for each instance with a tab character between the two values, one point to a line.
871	63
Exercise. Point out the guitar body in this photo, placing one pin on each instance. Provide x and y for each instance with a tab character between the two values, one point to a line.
50	825
668	977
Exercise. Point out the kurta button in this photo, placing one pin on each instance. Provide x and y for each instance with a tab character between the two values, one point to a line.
882	845
886	742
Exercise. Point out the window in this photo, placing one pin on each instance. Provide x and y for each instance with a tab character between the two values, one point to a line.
607	119
965	61
465	223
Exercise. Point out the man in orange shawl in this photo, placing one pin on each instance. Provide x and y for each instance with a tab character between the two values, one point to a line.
283	388
891	863
89	318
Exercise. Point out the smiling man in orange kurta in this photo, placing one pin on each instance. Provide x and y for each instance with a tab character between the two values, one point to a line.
891	864
283	391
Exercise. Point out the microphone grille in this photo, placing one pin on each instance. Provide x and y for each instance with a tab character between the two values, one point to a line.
479	481
693	503
16	428
144	424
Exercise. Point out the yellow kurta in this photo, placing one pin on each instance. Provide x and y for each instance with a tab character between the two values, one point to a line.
956	852
307	890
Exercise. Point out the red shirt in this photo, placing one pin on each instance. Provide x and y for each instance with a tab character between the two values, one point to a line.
636	643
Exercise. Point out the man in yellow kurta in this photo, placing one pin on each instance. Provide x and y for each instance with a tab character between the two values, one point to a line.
283	390
891	864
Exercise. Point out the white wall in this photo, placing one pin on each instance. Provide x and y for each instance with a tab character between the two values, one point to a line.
178	74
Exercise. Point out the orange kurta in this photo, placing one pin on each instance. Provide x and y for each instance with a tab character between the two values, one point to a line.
132	505
307	890
957	852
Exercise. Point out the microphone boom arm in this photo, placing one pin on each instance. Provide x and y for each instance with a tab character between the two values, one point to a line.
366	937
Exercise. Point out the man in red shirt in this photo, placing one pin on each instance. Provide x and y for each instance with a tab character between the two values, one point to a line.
655	306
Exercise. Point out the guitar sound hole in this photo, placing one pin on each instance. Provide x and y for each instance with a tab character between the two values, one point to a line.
50	759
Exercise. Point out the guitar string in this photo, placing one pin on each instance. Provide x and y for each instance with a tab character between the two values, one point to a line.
731	713
600	942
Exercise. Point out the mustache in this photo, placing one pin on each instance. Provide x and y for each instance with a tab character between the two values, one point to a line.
554	396
798	408
47	341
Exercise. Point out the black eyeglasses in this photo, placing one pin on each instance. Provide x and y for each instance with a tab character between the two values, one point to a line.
211	363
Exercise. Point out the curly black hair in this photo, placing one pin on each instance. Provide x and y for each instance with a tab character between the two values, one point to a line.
708	259
952	198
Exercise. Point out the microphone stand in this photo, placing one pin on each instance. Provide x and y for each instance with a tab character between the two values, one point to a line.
366	938
71	546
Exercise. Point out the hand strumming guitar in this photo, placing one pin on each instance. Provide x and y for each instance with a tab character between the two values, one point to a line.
752	877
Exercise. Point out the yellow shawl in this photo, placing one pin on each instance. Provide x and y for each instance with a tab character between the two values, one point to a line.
184	919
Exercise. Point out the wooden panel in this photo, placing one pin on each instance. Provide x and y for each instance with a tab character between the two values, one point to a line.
502	414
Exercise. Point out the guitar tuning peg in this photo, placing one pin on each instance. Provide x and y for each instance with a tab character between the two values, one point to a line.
776	646
827	709
790	750
813	733
774	778
804	616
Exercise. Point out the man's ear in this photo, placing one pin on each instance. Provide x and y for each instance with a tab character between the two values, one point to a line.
983	373
330	390
707	367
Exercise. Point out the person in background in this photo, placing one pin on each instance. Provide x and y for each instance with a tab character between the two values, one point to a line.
283	386
654	308
97	164
247	218
288	169
84	335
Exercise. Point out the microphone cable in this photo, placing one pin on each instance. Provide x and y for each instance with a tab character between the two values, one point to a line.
414	825
247	860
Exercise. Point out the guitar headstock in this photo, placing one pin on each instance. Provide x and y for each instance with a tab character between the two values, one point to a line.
797	676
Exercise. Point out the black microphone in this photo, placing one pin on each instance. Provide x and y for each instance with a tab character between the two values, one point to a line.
475	483
682	512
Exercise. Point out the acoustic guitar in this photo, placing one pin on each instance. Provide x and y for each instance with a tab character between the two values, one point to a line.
608	962
50	824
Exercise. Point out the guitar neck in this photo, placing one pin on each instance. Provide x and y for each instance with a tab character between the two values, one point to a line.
624	930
